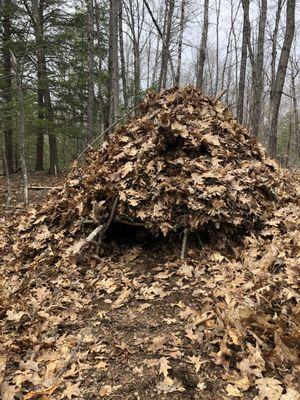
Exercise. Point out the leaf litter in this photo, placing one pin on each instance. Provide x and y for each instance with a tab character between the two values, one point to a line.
124	316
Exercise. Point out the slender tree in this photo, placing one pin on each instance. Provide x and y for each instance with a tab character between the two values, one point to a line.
113	64
243	63
276	90
21	126
36	11
165	55
6	7
203	47
258	73
91	71
180	39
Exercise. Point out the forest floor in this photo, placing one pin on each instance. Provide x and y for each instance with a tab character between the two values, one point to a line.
130	325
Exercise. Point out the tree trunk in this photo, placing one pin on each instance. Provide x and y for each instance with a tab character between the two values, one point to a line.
36	14
243	65
38	22
166	46
258	73
7	86
113	67
122	58
203	46
218	6
181	29
295	112
21	127
91	94
276	93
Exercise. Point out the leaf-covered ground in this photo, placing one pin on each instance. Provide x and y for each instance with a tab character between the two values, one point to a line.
139	323
132	320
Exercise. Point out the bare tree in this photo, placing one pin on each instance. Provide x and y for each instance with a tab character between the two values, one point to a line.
91	71
21	126
36	12
122	57
258	73
276	90
180	38
7	84
218	8
113	64
294	72
165	55
243	64
203	47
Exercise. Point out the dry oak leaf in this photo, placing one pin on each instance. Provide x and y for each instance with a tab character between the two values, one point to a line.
291	394
38	393
169	385
122	299
210	139
196	361
164	366
269	388
233	391
71	390
15	316
7	391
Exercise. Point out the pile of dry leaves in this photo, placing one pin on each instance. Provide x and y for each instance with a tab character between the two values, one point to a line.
133	320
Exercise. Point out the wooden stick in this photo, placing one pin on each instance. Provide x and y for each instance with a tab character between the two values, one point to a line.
45	187
129	223
184	243
90	146
111	216
219	95
199	240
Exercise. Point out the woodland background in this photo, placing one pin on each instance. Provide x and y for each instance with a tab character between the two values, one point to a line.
70	69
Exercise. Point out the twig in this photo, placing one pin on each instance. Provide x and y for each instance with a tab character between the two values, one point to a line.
111	216
129	223
89	146
184	243
45	187
219	95
70	359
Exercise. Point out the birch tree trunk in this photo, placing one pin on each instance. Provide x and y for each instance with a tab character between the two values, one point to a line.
203	46
276	93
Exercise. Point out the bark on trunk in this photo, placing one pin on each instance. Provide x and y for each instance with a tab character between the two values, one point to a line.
21	127
276	93
243	65
166	46
181	29
203	46
122	58
258	73
7	86
113	68
91	94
